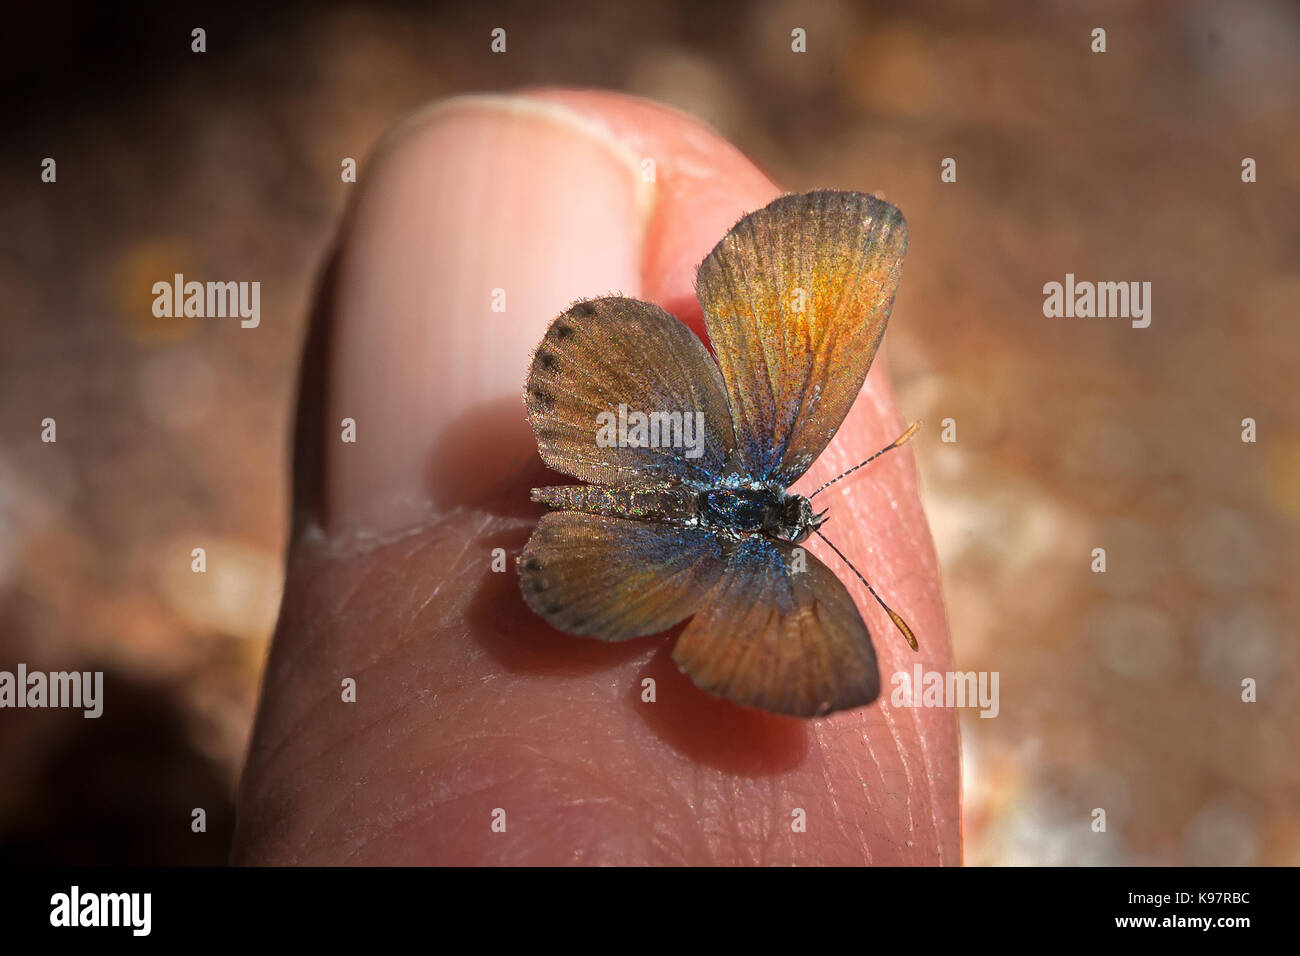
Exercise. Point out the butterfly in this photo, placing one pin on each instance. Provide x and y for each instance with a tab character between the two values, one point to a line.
687	461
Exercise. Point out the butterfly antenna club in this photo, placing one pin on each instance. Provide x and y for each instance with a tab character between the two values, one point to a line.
893	615
900	440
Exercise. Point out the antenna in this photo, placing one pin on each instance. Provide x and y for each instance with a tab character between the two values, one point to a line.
911	430
893	616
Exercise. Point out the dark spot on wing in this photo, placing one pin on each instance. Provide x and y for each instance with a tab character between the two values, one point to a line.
546	359
544	398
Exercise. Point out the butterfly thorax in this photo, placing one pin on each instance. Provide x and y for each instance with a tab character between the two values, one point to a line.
773	511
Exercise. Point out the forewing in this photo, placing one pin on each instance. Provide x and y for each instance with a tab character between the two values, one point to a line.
788	641
796	297
603	353
613	578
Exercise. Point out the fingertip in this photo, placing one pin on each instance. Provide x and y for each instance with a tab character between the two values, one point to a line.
704	185
477	220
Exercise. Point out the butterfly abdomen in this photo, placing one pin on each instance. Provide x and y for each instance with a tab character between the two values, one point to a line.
637	503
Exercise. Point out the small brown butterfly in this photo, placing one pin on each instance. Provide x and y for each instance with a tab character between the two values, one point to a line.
686	513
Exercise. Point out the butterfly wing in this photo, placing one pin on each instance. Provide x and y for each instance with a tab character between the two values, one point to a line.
796	297
786	640
610	352
613	578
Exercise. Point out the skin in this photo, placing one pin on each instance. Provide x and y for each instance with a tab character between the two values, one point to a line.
466	702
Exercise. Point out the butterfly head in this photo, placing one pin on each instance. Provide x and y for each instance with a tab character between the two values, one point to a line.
793	519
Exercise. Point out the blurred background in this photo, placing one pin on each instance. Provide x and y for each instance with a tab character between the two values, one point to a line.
1119	690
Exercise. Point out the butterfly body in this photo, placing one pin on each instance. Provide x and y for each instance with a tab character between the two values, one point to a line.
688	458
766	510
772	511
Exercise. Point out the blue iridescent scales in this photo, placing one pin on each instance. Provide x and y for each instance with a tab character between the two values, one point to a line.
796	297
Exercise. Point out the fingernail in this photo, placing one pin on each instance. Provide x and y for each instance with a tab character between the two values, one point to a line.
477	222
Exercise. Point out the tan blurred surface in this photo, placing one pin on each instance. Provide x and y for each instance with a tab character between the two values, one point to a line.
1118	690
